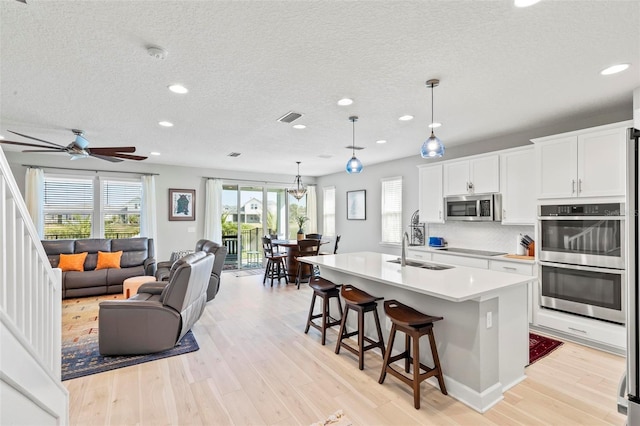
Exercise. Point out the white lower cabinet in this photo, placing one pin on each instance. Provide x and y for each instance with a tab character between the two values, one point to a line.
522	269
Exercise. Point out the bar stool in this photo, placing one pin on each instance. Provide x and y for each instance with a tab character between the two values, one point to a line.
275	268
326	290
361	302
413	324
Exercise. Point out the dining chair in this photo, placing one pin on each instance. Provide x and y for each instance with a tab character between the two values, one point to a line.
335	247
306	247
313	236
275	268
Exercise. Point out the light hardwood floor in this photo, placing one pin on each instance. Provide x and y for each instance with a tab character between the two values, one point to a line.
255	366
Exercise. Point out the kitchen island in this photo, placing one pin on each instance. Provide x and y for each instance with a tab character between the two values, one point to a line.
483	341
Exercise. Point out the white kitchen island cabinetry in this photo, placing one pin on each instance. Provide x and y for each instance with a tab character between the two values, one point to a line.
477	175
431	202
518	186
483	341
584	163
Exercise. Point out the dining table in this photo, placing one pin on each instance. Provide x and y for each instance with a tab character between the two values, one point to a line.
292	254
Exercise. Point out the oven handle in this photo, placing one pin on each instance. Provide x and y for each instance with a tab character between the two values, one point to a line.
582	268
580	217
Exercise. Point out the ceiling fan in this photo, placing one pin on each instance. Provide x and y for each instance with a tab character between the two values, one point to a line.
79	148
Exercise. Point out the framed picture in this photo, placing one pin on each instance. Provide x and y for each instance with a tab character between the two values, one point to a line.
357	205
182	204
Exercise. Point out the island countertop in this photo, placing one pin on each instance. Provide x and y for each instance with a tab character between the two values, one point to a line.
457	284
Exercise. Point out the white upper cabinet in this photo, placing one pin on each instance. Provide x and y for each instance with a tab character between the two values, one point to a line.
475	176
586	163
518	184
431	202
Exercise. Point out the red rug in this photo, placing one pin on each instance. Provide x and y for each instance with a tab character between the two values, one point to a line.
540	346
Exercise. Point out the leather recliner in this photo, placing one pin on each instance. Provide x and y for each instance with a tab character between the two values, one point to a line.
163	272
160	314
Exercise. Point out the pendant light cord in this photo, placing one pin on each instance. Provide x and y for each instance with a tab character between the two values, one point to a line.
353	139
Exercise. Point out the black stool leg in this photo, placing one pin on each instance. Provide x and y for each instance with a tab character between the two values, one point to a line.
407	350
342	331
325	314
379	329
360	339
387	355
313	303
436	361
416	371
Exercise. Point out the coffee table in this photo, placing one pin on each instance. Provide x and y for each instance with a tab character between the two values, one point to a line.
130	285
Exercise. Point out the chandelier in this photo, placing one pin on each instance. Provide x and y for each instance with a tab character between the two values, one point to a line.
299	191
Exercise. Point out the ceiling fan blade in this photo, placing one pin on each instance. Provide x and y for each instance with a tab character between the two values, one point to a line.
31	144
107	158
45	150
35	139
110	150
129	157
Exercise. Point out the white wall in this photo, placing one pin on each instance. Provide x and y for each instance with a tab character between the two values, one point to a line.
178	235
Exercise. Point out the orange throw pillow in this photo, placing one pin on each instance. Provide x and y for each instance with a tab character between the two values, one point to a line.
109	260
72	262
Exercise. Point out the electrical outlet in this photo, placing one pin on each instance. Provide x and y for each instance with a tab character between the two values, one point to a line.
489	319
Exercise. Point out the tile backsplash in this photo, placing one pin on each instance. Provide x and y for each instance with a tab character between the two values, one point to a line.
480	236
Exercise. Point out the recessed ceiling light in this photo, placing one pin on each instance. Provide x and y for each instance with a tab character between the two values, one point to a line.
381	141
154	153
1	137
614	69
178	88
345	101
524	3
406	118
299	126
165	124
434	125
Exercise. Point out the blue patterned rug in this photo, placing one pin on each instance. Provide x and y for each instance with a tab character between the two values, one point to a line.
82	358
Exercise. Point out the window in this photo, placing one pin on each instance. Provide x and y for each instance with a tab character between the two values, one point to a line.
392	210
329	211
84	207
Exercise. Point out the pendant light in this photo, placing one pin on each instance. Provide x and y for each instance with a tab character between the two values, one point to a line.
299	191
354	165
432	147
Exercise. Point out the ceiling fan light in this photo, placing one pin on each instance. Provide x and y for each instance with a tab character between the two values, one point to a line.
354	165
81	142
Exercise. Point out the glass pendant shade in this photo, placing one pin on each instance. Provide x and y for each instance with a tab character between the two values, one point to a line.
299	191
432	147
354	165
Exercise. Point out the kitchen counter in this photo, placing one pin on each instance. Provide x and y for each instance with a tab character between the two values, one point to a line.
483	341
428	249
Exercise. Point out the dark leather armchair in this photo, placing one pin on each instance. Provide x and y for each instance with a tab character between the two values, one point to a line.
160	314
165	268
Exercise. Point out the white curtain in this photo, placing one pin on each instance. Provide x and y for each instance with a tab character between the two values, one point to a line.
213	210
34	197
312	209
148	214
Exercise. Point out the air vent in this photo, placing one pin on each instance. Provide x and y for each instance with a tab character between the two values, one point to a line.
325	156
357	148
233	154
289	117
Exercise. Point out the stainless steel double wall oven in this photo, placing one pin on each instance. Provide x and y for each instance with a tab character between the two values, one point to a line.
582	260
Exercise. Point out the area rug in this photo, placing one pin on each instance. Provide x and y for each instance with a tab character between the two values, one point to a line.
80	355
540	346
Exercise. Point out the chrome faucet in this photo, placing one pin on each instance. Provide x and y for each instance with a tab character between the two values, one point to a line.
405	239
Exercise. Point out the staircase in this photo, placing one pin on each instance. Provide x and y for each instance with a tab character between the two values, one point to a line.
30	318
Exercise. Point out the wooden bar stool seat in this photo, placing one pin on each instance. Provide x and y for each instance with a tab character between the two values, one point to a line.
326	290
361	302
413	324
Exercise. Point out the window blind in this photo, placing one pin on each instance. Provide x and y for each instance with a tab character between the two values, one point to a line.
329	211
391	210
68	194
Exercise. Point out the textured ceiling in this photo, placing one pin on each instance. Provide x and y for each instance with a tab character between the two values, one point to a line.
83	64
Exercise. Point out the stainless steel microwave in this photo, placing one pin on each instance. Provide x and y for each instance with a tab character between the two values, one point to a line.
484	207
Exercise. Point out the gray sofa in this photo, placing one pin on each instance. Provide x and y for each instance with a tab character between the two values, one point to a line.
166	268
138	258
160	314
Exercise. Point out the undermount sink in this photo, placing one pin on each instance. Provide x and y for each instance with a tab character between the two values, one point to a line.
423	265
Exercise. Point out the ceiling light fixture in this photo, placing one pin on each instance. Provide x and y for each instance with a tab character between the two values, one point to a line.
406	118
381	141
354	165
178	88
157	52
299	191
299	126
433	146
345	101
614	69
524	3
165	123
154	153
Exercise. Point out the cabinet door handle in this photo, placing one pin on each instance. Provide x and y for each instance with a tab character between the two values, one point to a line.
579	186
470	186
440	214
509	268
578	330
573	186
504	214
